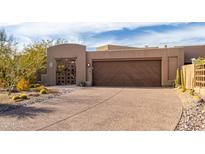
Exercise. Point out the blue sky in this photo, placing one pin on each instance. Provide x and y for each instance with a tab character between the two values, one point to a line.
121	33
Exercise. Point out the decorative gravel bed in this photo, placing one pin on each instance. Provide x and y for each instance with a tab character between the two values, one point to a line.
40	99
193	118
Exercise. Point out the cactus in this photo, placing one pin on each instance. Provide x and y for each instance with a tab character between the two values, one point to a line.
177	78
183	80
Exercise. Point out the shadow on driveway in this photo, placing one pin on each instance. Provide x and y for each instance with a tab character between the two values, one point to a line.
21	111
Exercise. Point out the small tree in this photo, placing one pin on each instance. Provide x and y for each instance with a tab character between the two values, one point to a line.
8	65
22	66
33	59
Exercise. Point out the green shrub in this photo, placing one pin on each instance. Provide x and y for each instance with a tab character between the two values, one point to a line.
177	78
43	91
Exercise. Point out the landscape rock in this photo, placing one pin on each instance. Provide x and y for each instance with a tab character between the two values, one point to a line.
193	118
36	99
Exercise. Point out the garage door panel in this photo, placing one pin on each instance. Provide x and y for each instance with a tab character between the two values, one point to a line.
127	73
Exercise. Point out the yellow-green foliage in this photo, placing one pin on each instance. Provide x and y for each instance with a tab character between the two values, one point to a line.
19	97
33	59
35	85
177	78
38	89
199	61
28	63
2	83
23	96
43	91
8	61
191	92
196	97
16	97
23	85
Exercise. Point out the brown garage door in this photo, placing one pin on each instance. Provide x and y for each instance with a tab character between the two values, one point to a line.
127	73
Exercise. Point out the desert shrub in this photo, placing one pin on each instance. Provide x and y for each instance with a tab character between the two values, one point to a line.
177	79
43	91
82	84
2	83
16	97
199	61
183	90
23	96
23	85
19	97
191	92
33	59
38	89
34	85
196	97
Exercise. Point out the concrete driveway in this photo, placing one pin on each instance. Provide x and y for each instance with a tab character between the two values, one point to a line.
100	108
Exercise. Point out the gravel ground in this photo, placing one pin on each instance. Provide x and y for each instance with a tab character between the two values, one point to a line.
40	99
193	115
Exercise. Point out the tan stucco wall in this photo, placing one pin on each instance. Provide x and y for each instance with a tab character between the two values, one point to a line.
161	53
66	51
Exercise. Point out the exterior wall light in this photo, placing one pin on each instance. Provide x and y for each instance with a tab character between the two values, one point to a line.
50	64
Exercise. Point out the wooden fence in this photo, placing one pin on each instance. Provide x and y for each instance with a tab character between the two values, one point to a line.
199	76
195	78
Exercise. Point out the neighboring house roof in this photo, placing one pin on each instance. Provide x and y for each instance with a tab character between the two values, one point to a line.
110	47
190	52
193	51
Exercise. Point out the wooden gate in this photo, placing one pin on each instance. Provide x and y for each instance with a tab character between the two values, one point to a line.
65	71
200	75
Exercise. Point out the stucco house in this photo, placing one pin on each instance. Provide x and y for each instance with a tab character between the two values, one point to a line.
113	65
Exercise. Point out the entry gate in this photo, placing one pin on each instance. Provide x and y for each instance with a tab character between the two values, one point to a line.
65	71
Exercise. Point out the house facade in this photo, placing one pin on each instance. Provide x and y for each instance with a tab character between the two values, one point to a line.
112	65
